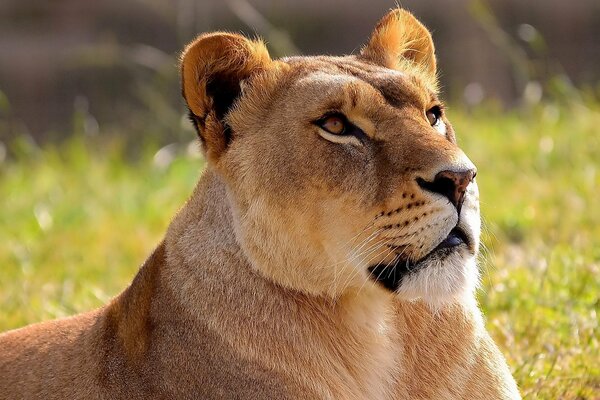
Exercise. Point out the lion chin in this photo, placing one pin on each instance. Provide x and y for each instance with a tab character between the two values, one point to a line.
441	281
445	275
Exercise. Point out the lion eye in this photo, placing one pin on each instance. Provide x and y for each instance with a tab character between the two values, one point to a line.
336	128
333	124
433	115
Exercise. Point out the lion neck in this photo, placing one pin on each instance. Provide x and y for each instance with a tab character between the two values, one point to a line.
202	244
213	281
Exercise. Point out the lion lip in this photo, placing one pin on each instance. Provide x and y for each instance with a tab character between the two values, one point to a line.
391	275
456	237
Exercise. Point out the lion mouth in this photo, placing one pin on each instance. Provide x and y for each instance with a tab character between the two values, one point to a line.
456	237
390	275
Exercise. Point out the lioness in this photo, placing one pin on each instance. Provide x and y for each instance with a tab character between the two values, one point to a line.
328	251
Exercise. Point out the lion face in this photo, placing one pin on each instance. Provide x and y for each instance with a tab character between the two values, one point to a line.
343	172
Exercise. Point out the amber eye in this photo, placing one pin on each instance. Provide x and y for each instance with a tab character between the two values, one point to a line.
336	128
333	124
433	115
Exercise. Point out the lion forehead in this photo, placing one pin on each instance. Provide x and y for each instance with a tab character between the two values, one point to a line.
325	79
316	78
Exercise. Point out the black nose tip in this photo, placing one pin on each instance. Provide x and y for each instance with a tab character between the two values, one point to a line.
451	184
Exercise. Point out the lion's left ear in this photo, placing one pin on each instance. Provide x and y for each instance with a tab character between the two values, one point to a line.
398	37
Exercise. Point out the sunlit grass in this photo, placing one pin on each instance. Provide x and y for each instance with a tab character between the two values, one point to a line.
77	220
539	178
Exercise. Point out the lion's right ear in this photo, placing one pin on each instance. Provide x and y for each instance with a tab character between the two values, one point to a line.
212	69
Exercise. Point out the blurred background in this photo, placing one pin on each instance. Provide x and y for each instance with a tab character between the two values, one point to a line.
97	58
96	153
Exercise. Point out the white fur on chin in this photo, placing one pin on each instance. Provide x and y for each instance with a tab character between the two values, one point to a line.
442	282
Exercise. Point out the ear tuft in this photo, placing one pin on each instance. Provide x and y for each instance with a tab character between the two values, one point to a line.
212	69
399	37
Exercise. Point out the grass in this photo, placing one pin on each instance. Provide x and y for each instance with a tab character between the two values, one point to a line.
76	221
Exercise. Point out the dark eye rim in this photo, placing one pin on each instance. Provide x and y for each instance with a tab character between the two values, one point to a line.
349	128
437	112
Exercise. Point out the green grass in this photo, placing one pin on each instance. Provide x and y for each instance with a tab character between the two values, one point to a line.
76	221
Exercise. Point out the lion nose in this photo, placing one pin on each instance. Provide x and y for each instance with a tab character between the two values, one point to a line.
452	184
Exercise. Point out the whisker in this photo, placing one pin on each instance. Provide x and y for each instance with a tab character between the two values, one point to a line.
369	225
369	238
389	251
370	255
356	254
374	254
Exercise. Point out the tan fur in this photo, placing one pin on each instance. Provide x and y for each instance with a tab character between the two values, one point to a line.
400	42
261	287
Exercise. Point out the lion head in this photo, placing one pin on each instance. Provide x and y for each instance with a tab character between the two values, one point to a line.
342	173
